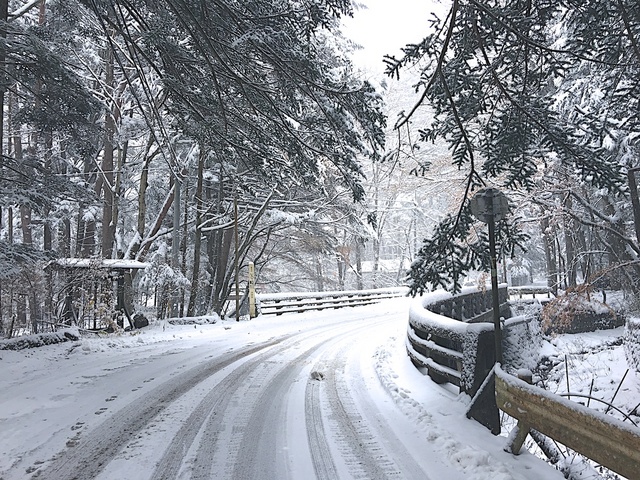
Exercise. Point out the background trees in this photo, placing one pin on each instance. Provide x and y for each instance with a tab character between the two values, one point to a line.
531	100
148	130
166	124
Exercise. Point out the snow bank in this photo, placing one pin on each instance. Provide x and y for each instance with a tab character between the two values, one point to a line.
41	339
201	320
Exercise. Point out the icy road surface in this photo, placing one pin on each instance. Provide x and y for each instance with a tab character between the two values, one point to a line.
326	395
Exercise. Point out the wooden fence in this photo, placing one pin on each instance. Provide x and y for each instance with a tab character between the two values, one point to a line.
279	303
602	438
530	292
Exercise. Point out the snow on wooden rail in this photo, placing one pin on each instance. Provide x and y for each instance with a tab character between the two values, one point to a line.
600	437
279	303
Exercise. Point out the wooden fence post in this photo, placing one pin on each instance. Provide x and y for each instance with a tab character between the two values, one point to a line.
519	434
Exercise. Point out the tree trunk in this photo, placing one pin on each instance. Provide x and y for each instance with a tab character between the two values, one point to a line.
319	274
550	255
175	240
4	15
197	238
136	244
219	256
48	146
358	248
376	262
183	245
108	227
569	226
635	201
86	226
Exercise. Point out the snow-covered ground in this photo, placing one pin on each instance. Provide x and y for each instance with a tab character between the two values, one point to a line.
327	394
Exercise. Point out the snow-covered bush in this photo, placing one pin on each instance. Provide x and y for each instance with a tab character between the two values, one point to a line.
40	340
578	312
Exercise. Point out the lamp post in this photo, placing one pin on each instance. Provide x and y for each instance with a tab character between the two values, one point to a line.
489	206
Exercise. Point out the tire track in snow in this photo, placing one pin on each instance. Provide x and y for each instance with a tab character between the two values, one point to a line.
320	451
264	441
257	447
210	413
343	424
216	401
90	456
363	455
209	418
260	450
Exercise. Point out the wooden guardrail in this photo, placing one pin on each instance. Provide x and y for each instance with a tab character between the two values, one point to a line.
530	291
450	336
602	438
298	302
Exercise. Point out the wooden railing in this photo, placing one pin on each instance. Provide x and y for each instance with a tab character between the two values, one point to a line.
279	303
602	438
532	292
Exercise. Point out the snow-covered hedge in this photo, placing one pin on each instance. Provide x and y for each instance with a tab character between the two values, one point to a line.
632	343
40	340
201	320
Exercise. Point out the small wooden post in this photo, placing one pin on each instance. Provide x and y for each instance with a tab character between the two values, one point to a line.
252	290
518	436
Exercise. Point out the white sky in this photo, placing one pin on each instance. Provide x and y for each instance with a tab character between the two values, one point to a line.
386	26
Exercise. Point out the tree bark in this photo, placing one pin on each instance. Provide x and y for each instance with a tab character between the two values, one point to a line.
569	226
197	239
108	227
635	201
550	255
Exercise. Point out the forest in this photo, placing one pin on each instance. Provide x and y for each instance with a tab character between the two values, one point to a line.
152	149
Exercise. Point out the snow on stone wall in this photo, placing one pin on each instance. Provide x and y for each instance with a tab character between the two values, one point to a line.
522	338
521	343
632	343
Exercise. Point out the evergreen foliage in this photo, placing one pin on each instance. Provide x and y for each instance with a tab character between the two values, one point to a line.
256	82
508	82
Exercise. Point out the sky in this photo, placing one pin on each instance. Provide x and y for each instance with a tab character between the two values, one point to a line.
387	25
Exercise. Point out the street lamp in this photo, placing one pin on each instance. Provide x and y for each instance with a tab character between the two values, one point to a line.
490	205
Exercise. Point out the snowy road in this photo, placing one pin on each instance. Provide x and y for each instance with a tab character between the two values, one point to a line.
302	397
